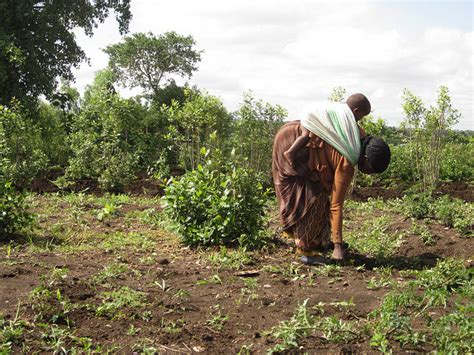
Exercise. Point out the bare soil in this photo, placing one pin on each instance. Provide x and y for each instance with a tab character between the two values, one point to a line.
144	185
178	324
456	189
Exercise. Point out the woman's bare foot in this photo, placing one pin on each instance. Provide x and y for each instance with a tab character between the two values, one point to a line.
338	253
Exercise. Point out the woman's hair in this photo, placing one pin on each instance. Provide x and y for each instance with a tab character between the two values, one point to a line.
377	152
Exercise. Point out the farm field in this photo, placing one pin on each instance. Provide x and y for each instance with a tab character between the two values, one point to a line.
106	273
155	156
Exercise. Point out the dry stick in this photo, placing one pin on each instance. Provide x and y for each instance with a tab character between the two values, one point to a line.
212	330
187	347
174	350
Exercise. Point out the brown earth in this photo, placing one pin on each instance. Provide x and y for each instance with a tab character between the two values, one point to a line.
182	324
145	185
456	189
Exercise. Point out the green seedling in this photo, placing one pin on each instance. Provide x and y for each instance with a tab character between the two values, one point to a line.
232	259
172	326
383	281
132	330
217	321
11	331
423	232
109	272
304	324
214	279
181	294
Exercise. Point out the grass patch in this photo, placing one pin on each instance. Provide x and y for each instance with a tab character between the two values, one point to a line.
422	301
371	238
115	302
303	324
230	258
110	272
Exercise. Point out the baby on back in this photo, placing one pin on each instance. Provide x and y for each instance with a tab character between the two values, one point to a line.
359	106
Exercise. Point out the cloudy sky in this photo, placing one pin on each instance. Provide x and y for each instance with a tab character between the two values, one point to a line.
294	52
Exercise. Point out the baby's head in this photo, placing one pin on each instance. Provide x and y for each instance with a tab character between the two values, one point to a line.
359	105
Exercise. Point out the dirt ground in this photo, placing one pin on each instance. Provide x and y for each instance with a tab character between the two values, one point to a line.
194	305
143	185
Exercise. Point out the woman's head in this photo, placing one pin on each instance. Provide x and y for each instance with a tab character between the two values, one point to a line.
374	156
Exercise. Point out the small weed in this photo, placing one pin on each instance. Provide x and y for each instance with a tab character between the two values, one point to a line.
113	302
372	238
108	211
329	270
132	330
340	306
147	260
248	291
217	321
172	326
49	303
56	339
109	272
451	333
214	279
163	285
181	294
384	279
11	332
232	259
423	231
245	350
303	324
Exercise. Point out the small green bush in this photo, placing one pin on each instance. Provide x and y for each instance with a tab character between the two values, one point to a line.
13	213
457	163
454	212
218	204
418	205
21	157
451	212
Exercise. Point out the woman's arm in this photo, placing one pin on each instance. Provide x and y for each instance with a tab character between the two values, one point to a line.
343	174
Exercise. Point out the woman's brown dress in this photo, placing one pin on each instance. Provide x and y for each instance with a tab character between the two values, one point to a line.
312	192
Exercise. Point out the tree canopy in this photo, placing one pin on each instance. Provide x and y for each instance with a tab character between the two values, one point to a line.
144	60
37	42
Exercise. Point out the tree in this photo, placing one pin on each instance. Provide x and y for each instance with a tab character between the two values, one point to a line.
337	94
193	123
428	129
106	136
145	60
37	43
255	125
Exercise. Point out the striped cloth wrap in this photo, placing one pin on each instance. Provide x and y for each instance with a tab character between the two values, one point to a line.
335	124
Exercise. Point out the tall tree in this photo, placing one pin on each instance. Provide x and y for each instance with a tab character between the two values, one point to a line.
428	129
146	61
38	45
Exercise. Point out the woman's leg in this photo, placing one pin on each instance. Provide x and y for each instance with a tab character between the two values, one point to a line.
312	233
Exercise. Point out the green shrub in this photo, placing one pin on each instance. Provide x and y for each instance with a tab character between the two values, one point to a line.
21	157
454	212
105	137
418	205
457	163
218	204
13	214
451	212
254	126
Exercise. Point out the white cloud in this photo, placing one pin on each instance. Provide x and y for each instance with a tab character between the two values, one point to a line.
293	53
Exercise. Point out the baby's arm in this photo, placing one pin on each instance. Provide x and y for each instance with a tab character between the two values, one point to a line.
299	143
